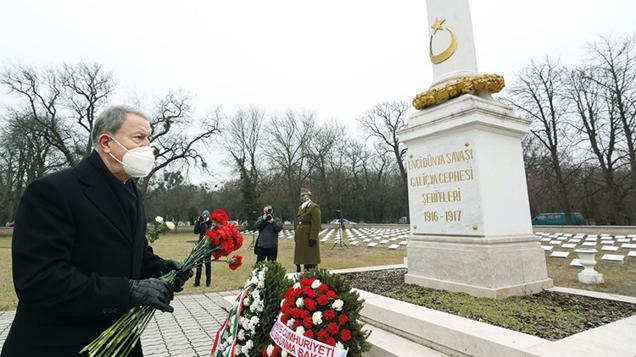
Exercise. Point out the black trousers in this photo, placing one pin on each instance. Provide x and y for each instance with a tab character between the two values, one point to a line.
208	273
270	253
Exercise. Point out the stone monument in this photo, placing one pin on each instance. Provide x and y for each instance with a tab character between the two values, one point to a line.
470	219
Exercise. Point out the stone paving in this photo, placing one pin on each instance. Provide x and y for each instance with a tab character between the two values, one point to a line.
188	332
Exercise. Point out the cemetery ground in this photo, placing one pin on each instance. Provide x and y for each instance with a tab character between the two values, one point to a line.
177	246
549	315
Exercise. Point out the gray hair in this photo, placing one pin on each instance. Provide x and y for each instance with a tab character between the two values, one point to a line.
111	119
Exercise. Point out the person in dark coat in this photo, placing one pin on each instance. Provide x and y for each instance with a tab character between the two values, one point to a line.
307	227
80	256
268	228
200	227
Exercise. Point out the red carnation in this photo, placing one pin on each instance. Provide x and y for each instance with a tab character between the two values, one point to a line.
329	315
296	292
332	328
323	287
309	333
305	313
331	341
290	301
227	243
345	335
342	319
304	281
323	300
277	350
236	235
297	313
217	254
296	324
235	262
310	304
310	281
308	291
331	294
323	335
284	319
308	323
219	216
213	238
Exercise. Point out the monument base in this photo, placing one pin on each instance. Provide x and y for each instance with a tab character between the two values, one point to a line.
493	267
591	277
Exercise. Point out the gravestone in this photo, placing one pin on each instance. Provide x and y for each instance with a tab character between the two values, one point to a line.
468	202
560	254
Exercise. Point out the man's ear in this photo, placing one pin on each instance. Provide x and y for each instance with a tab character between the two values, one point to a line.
102	143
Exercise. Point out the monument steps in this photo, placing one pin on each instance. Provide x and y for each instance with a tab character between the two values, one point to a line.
387	344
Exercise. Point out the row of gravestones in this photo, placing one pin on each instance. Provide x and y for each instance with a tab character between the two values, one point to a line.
371	237
626	244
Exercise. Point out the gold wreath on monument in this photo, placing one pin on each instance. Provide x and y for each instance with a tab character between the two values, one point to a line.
491	83
448	52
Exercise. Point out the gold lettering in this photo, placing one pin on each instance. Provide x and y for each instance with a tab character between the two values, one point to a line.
444	196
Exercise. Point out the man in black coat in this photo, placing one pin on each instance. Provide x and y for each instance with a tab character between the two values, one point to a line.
268	228
80	256
201	226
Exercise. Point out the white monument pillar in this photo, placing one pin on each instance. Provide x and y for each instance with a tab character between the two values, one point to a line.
470	219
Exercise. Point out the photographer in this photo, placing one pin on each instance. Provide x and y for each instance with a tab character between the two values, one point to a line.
267	243
200	227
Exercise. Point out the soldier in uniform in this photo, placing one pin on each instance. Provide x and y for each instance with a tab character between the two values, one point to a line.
307	249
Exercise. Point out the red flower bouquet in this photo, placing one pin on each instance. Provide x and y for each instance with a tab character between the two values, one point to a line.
318	316
120	337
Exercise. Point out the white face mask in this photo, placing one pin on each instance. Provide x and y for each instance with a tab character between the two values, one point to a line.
137	162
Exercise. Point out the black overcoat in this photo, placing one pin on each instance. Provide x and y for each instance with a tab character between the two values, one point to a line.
73	252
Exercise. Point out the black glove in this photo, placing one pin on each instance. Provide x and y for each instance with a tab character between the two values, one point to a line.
181	277
312	243
150	292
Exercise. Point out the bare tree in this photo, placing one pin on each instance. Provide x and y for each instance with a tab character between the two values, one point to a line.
291	136
43	95
176	135
384	121
615	62
597	120
88	87
538	94
244	136
24	156
63	103
325	162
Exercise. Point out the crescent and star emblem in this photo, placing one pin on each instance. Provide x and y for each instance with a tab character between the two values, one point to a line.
449	51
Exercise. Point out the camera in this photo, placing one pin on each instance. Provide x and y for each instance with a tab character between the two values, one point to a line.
269	216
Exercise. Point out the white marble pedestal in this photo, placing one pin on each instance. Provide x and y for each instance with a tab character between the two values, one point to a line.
470	219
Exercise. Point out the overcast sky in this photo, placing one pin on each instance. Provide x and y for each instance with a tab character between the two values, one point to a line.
337	58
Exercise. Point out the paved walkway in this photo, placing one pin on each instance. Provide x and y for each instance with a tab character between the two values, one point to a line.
188	332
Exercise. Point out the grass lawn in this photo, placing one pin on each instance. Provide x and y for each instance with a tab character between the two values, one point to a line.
177	246
620	279
549	315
